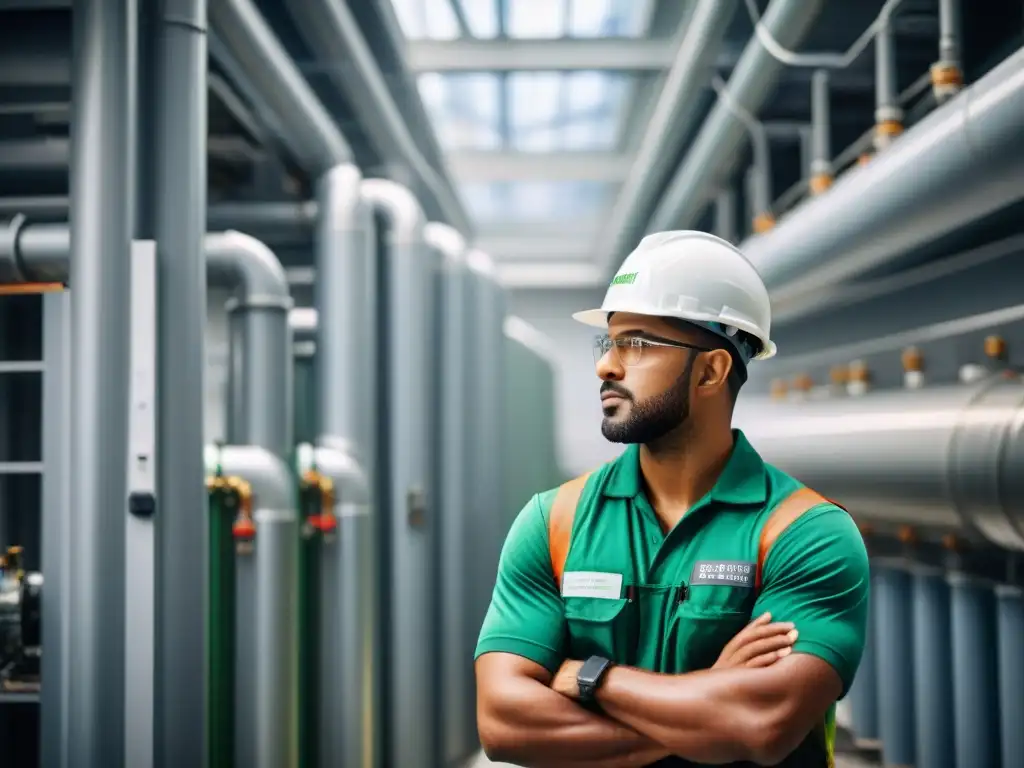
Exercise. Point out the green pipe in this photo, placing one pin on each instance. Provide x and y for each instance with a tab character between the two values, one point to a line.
223	505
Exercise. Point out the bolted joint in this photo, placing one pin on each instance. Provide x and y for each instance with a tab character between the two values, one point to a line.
947	80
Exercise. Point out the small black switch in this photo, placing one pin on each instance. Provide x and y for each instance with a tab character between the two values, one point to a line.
142	504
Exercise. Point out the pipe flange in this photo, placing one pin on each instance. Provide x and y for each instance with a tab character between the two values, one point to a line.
947	79
259	301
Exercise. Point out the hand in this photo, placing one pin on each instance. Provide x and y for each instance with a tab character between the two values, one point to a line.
564	681
759	644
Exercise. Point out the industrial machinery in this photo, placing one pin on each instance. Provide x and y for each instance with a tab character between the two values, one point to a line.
21	596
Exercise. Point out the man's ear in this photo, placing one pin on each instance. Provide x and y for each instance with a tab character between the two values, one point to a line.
714	371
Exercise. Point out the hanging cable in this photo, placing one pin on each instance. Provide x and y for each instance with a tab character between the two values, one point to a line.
818	60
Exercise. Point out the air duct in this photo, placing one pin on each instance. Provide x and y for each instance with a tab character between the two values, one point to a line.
960	163
944	458
717	149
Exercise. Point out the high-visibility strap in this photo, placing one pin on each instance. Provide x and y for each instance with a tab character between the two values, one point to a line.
789	510
560	519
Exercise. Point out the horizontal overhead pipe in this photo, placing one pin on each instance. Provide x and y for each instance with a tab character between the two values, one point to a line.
960	163
947	458
334	35
250	41
717	149
670	123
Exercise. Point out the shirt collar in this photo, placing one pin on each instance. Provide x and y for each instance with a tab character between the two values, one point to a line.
742	482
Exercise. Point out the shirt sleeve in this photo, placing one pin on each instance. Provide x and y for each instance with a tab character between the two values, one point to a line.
817	576
526	615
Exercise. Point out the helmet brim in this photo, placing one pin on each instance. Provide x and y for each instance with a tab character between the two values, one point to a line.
596	318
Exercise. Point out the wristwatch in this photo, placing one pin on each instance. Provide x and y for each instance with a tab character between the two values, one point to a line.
588	679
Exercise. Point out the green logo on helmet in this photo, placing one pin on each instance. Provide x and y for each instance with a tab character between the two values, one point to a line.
626	278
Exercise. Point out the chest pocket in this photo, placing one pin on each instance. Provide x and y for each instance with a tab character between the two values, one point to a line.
602	627
708	617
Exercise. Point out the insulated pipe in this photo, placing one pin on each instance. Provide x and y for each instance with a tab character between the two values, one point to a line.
347	403
346	694
944	457
452	483
760	179
273	627
334	34
101	183
406	320
888	114
727	215
961	162
250	40
716	151
671	122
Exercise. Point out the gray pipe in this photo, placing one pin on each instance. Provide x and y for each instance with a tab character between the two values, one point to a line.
347	402
950	32
718	147
960	163
671	122
101	181
347	648
452	483
250	40
821	125
888	114
272	630
333	33
942	457
410	502
176	146
727	215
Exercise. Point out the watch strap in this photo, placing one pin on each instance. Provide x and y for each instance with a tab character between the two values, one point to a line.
589	677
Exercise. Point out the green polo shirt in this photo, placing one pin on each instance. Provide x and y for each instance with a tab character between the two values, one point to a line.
670	602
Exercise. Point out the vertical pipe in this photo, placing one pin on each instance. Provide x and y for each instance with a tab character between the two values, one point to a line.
100	182
821	133
947	72
933	657
888	114
455	662
975	673
411	504
864	692
894	641
57	522
179	154
727	215
346	396
1011	673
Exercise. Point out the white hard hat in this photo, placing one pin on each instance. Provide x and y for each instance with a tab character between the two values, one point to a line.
691	276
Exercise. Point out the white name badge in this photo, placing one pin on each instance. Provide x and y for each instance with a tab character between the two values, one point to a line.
604	586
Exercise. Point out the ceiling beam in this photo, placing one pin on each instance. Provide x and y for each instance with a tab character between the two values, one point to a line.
617	54
524	166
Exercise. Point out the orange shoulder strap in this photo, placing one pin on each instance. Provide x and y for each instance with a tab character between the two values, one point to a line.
563	512
784	515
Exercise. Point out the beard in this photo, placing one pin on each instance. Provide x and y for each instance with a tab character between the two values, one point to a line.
651	419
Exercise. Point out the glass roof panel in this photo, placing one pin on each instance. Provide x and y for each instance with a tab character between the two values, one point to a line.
465	108
431	19
535	201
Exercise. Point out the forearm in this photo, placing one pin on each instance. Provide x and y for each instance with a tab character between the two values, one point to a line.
716	716
529	724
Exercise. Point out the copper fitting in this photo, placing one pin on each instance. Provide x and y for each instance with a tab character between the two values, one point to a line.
995	347
820	182
12	289
952	542
325	521
888	129
858	372
839	375
913	360
763	222
779	388
946	76
907	535
803	382
864	158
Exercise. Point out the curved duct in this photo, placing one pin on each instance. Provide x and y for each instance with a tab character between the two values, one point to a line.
718	147
963	161
947	458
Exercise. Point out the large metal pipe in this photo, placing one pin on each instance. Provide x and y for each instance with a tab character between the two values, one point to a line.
176	149
250	40
452	483
407	320
961	162
670	124
273	625
101	182
717	149
944	457
346	396
334	34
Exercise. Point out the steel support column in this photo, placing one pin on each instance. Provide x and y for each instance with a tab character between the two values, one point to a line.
864	691
933	657
975	673
1011	673
893	629
101	180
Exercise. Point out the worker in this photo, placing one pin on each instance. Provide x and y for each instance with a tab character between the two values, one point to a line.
619	631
